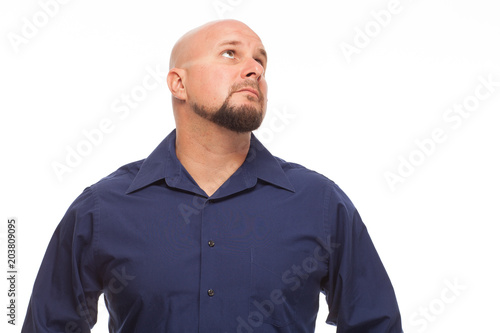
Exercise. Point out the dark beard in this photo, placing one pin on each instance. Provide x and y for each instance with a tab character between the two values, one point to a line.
239	119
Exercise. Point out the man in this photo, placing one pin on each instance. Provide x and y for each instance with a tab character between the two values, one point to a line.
211	233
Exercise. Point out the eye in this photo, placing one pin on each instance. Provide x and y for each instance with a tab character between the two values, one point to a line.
228	54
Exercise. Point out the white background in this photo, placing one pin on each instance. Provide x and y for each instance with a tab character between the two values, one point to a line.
350	118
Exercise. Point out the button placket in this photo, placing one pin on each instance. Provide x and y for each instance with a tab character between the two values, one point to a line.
207	254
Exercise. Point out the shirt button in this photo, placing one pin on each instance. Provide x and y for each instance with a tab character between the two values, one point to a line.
210	292
211	243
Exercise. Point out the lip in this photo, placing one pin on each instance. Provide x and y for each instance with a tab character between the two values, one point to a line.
250	90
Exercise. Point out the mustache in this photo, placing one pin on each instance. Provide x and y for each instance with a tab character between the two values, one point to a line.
246	84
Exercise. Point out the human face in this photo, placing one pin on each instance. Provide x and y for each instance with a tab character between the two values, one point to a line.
225	81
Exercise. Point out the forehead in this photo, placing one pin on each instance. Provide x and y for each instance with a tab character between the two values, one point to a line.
232	34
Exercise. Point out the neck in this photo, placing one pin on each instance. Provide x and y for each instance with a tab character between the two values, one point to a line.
211	154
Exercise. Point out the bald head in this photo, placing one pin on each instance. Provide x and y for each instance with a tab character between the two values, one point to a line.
217	77
188	47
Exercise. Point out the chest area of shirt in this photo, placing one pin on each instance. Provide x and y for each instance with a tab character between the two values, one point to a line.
191	246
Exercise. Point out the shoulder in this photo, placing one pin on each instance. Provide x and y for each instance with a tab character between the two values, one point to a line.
298	172
303	178
119	180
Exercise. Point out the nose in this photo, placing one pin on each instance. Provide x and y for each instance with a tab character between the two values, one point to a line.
252	69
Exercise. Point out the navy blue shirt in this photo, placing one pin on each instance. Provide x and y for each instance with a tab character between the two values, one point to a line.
253	257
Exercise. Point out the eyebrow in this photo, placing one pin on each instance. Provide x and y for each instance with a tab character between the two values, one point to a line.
237	43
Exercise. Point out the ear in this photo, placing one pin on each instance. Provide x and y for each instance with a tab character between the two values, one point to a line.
175	81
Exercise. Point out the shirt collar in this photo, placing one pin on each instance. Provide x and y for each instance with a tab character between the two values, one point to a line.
163	163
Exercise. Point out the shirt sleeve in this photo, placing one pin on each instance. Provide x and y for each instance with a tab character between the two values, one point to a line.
66	290
358	291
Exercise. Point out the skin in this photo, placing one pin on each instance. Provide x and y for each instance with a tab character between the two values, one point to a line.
206	70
